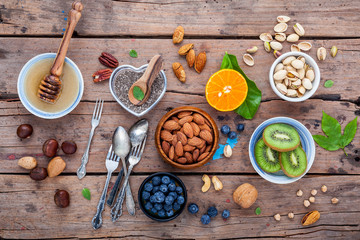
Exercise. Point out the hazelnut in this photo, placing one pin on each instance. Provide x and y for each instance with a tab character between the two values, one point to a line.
69	147
299	193
50	147
38	173
62	198
24	131
291	215
277	217
334	200
306	203
312	199
313	192
324	188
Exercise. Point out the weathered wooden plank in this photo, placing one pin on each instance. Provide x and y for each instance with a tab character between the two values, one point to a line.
15	52
33	214
160	18
76	126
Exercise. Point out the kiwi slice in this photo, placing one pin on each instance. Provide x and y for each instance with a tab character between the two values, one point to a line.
281	137
266	158
293	163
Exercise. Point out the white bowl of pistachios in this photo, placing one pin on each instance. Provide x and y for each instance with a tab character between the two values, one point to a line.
294	76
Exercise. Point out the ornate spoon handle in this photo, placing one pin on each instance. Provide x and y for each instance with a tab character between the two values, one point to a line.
97	220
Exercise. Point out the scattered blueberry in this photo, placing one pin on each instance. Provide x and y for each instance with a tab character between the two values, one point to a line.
170	213
179	190
163	188
152	198
225	129
156	180
180	200
161	213
159	197
167	207
155	189
153	210
212	211
225	214
158	206
193	208
232	135
169	200
205	219
148	206
240	127
165	180
172	187
145	195
173	194
176	206
148	187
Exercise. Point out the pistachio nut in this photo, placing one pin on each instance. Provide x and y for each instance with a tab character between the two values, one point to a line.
292	37
248	60
277	53
304	46
227	151
266	37
295	84
299	29
288	60
333	51
295	48
301	90
276	45
292	79
253	49
321	53
301	73
310	74
282	88
292	93
290	68
283	19
293	74
280	37
280	27
280	75
301	58
267	46
310	218
307	84
278	67
278	81
297	64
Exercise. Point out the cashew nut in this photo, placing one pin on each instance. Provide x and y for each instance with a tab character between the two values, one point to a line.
217	183
207	183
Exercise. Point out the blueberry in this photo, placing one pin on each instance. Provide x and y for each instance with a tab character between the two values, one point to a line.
159	197
161	213
148	206
179	190
152	198
173	194
193	208
232	135
212	211
205	219
156	180
226	214
240	127
155	189
165	180
180	200
170	213
153	210
176	206
171	187
148	187
167	207
145	195
169	200
163	188
225	129
158	206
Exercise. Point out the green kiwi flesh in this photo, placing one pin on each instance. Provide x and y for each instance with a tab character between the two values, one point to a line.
293	163
267	158
281	137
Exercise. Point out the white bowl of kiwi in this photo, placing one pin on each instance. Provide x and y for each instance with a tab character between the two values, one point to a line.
281	150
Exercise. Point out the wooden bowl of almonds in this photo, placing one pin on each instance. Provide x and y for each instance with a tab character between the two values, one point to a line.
186	137
294	76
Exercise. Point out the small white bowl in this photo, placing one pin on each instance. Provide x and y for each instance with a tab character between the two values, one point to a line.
311	62
33	109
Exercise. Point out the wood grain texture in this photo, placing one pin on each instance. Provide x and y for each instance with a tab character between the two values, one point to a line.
76	126
15	52
199	18
33	213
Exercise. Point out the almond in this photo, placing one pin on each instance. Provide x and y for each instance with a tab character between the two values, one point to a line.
185	49
188	130
182	138
27	162
196	129
56	166
179	72
165	147
189	157
196	154
182	160
184	114
171	125
205	127
175	156
190	58
178	35
203	156
183	120
195	141
172	152
179	151
202	144
175	119
188	148
200	62
174	140
166	135
202	150
208	148
207	136
200	120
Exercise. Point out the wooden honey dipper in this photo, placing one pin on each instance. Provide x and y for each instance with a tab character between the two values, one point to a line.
50	87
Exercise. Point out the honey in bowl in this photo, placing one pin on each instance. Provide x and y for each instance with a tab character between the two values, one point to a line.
69	91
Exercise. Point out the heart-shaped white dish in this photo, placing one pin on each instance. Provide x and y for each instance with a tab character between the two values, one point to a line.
120	84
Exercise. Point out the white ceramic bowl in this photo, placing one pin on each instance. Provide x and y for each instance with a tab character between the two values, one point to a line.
29	106
307	143
309	60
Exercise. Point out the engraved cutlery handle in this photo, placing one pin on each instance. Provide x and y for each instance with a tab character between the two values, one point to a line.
81	172
115	188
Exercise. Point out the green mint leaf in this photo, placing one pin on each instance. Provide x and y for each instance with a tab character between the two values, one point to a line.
329	83
253	98
138	93
133	53
86	193
330	126
258	211
326	142
349	133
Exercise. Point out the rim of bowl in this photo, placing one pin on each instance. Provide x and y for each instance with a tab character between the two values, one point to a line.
310	153
141	203
35	111
316	81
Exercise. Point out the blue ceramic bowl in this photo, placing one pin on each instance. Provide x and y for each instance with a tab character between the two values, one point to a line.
307	143
29	106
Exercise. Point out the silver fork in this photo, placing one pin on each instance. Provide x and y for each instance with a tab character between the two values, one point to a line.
112	162
81	172
134	158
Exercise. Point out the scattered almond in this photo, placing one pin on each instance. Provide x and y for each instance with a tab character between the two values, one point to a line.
200	62
185	49
27	162
178	35
56	166
179	72
190	58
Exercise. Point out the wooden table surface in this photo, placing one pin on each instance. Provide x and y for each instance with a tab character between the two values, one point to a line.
28	28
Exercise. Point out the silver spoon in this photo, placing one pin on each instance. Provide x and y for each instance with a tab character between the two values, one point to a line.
121	145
